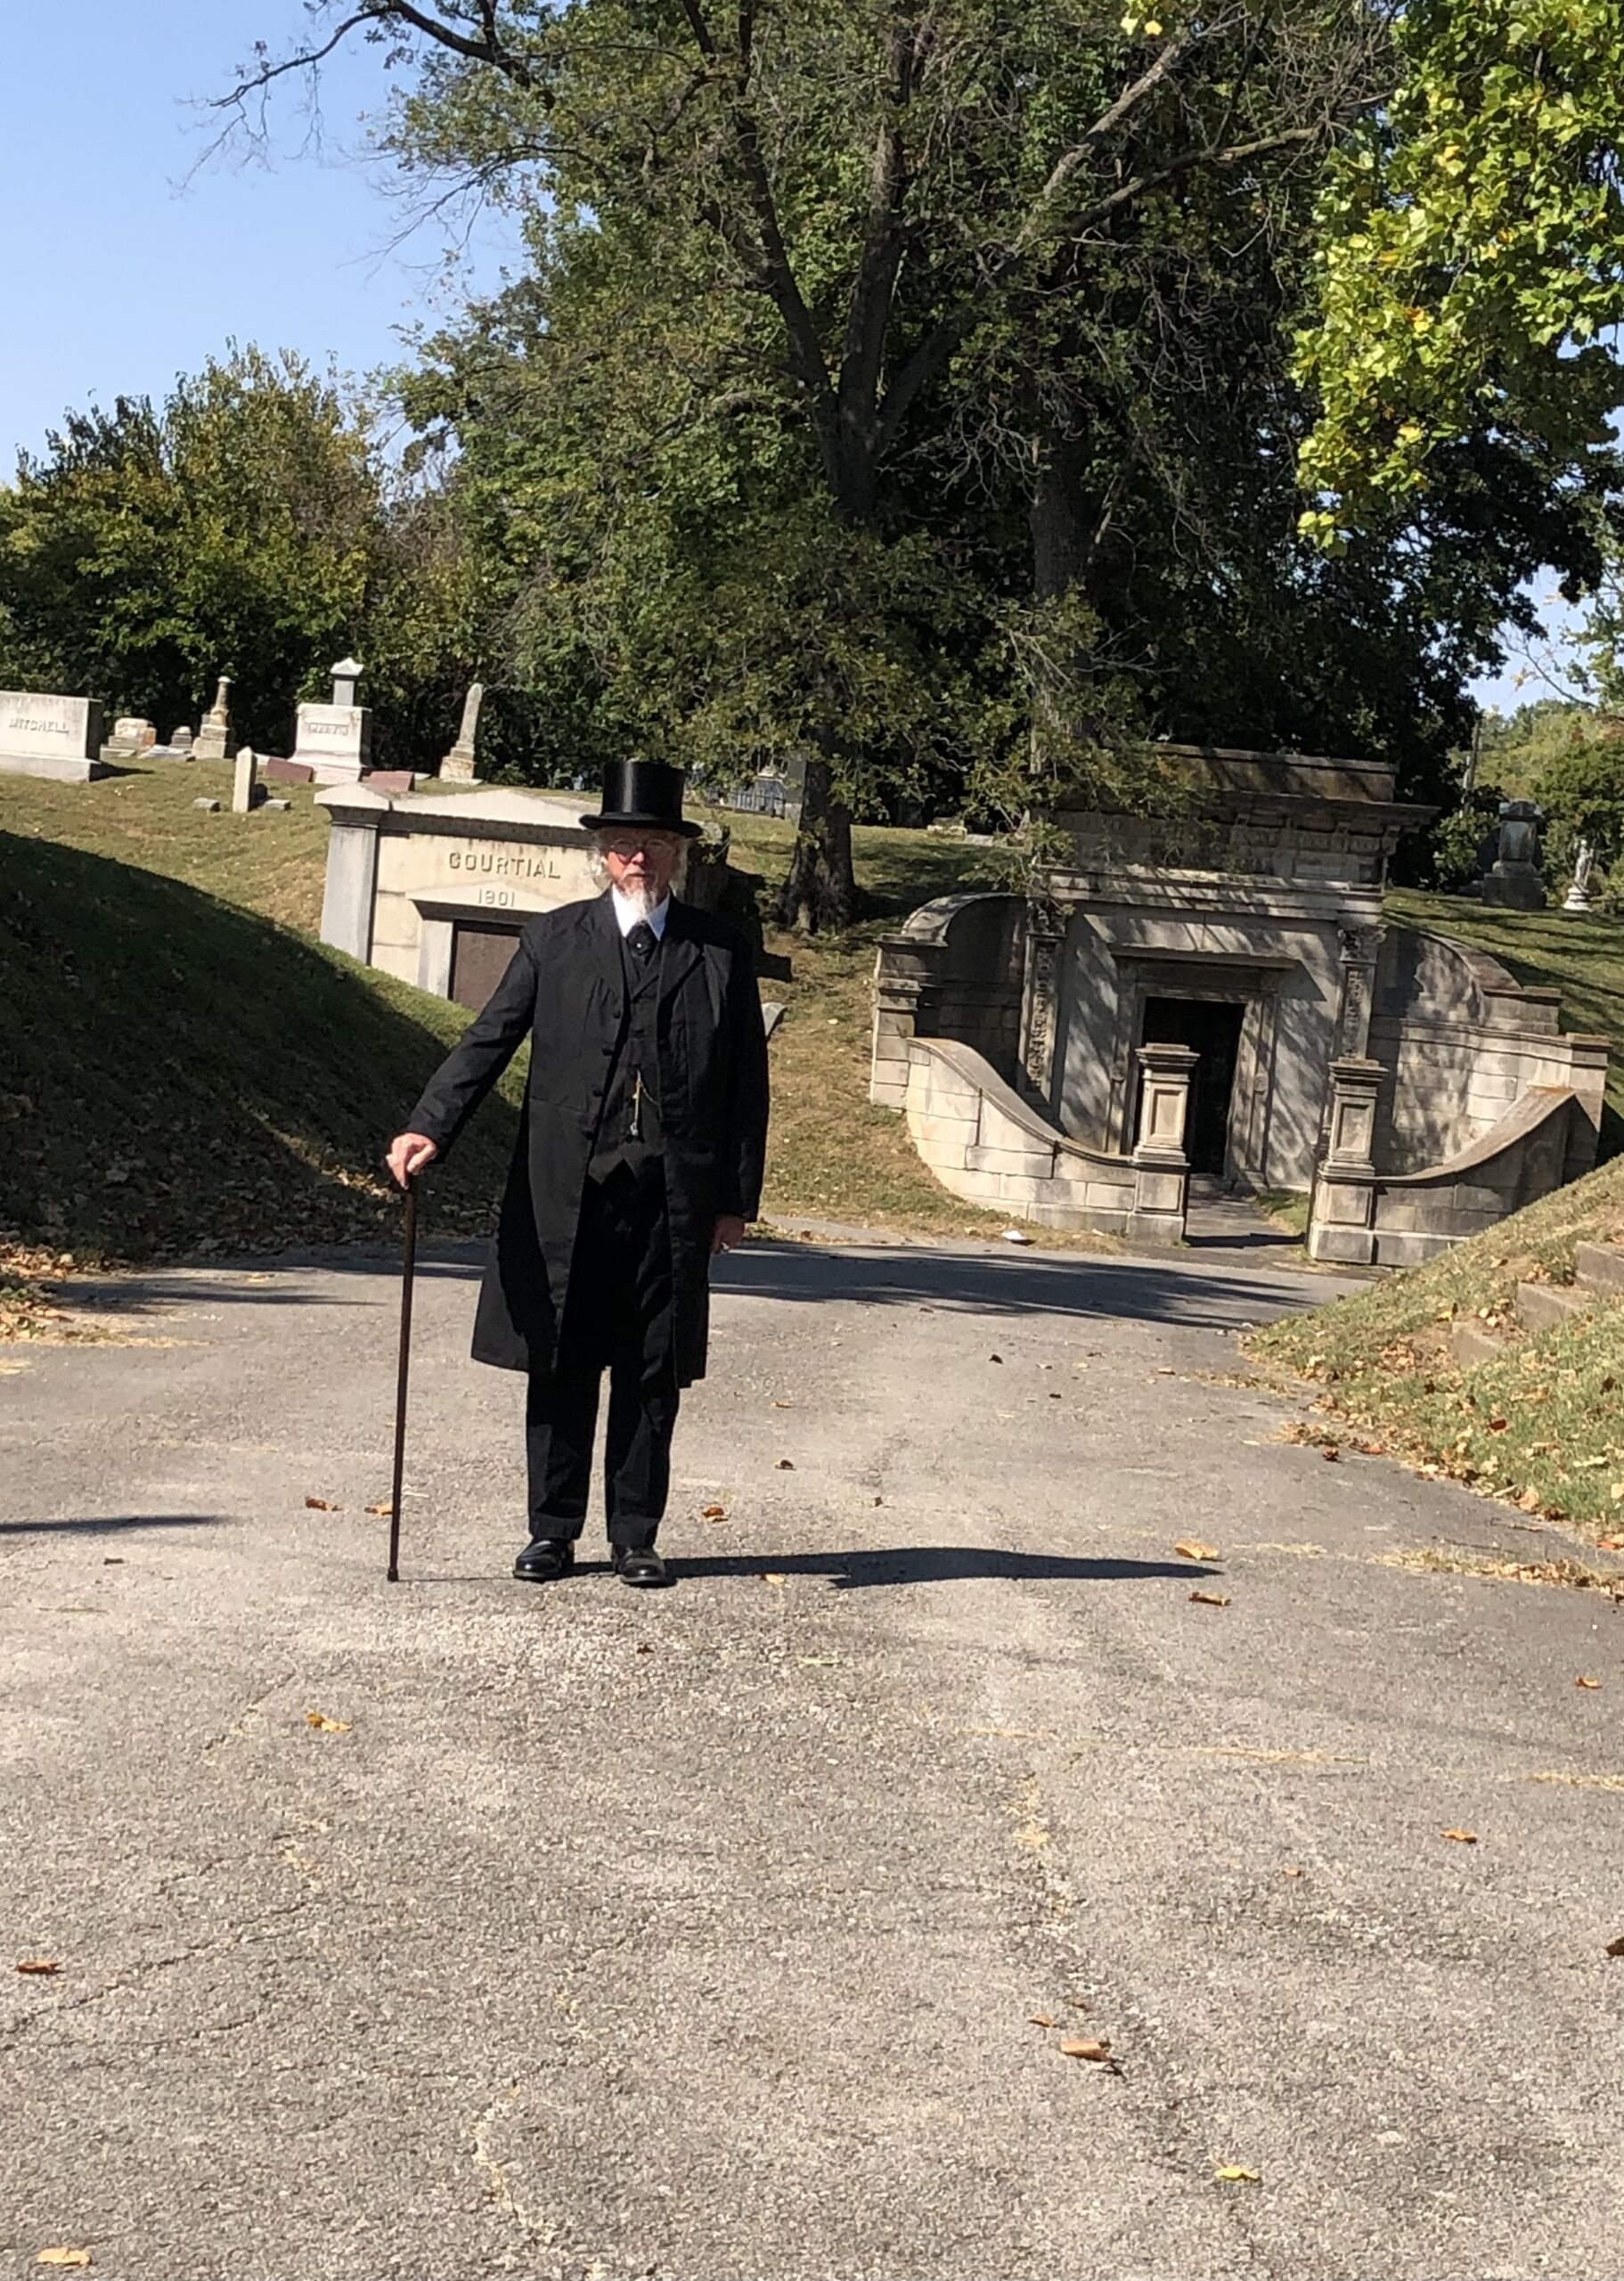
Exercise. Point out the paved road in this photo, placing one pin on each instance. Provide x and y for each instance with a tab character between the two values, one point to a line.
701	1934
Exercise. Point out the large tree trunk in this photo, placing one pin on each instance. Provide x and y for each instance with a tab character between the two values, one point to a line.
821	892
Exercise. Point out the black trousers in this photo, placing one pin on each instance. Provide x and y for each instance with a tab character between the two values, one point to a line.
618	1319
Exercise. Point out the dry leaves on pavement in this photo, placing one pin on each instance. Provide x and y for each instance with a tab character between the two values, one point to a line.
1087	2047
1212	1599
64	2257
1190	1547
321	1505
1237	2174
324	1725
383	1509
770	1577
786	1464
1616	1948
713	1512
1585	1679
41	1966
1462	1837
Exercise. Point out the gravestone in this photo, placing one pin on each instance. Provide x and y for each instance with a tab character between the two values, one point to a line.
335	741
130	737
214	737
181	743
43	735
1516	883
287	771
458	765
245	783
210	808
1584	870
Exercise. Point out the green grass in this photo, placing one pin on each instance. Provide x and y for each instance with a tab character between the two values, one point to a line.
1543	1419
1581	956
183	1074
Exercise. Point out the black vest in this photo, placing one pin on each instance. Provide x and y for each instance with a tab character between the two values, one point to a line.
629	1133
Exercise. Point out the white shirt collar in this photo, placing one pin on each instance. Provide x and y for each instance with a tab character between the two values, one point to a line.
627	914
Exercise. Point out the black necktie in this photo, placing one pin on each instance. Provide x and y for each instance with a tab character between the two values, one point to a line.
641	940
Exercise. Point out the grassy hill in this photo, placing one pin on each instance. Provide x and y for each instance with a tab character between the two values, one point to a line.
1543	1420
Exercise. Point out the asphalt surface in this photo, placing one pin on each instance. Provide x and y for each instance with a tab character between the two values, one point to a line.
711	1932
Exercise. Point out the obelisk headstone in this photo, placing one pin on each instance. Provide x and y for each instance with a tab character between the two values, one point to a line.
458	765
214	737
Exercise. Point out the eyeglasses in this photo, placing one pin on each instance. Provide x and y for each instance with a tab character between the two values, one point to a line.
633	843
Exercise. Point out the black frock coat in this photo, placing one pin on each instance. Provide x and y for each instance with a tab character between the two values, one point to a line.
565	987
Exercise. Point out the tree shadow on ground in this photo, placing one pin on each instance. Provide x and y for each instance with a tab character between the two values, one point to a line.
906	1564
112	1523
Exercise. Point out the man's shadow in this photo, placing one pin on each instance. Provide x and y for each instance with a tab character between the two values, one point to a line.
927	1563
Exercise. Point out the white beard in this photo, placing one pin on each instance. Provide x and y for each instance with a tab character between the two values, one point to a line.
642	903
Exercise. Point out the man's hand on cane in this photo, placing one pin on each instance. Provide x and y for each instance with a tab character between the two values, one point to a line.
410	1153
728	1232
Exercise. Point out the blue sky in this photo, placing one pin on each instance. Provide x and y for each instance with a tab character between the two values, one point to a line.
121	272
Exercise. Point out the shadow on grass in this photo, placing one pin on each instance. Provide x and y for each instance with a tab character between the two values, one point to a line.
180	1072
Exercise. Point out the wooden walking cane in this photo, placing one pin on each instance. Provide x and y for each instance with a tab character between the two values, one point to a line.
407	1271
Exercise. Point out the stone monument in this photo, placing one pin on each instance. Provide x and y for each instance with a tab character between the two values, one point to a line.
1578	898
214	737
182	743
246	795
129	737
335	741
43	735
458	765
1515	882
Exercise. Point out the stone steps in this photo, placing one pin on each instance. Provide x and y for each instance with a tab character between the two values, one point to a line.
1598	1280
1547	1306
1600	1267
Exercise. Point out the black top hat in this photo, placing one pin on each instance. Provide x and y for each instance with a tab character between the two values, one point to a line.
645	792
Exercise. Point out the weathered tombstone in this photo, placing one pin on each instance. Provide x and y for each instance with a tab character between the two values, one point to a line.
181	742
458	765
276	771
245	783
214	737
1578	896
43	735
130	737
1516	883
335	741
279	807
210	808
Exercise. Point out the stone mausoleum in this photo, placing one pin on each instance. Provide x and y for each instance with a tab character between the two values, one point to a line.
1213	992
436	887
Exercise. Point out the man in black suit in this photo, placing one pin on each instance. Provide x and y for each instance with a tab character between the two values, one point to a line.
638	1158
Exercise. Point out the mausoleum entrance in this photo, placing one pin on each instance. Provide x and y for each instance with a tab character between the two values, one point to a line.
1211	1028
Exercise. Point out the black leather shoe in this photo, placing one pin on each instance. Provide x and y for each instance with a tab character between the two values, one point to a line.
640	1565
545	1559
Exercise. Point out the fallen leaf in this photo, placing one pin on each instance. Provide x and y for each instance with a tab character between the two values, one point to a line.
1612	1544
1616	1948
1237	2174
1212	1599
713	1512
769	1577
786	1464
1085	2046
783	1405
321	1505
995	1358
113	1561
1329	1452
645	1647
1462	1837
1190	1547
64	2257
1530	1501
1041	2020
1292	1870
39	1965
386	1508
1165	1370
324	1725
811	1663
1498	1424
1585	1679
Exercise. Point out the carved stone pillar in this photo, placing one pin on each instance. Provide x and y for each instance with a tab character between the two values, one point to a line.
1161	1168
1360	947
1040	993
1342	1219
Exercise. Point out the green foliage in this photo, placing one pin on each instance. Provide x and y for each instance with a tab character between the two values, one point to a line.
246	527
1474	252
